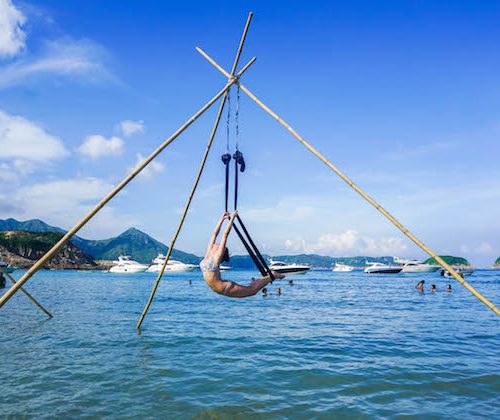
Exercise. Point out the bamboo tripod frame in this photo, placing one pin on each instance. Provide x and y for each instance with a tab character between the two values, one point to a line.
198	176
232	79
50	253
30	297
351	183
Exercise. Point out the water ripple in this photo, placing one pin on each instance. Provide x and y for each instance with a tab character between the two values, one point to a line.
330	346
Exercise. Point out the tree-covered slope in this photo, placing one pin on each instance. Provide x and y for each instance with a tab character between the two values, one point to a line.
33	225
449	259
133	242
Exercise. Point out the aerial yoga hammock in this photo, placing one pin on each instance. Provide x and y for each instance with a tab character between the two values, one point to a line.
217	253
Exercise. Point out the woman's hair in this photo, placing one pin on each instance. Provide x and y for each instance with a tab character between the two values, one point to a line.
225	257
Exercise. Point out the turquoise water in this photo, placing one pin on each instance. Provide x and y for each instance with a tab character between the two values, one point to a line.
333	345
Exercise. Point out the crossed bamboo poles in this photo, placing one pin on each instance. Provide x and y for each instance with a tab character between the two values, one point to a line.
232	79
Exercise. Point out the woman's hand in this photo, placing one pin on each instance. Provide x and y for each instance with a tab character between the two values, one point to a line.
225	216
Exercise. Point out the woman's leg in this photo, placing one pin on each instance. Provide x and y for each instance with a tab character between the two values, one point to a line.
238	291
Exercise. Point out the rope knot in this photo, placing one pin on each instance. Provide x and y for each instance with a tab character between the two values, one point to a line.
238	157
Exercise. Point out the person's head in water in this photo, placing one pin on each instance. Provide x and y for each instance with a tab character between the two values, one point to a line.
420	286
278	291
433	287
264	292
448	288
290	282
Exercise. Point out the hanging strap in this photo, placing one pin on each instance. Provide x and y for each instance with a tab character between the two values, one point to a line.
250	251
258	255
239	166
226	158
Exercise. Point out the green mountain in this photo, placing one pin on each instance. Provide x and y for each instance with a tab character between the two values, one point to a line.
497	262
139	245
448	259
34	225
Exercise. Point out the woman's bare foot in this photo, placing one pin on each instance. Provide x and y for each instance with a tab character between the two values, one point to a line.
278	275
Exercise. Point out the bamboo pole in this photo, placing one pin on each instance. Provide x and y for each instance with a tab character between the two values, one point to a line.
198	176
30	297
39	264
364	195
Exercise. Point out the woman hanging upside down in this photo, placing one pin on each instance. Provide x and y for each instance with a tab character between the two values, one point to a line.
217	254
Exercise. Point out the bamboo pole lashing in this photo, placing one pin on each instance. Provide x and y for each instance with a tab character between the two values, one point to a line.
364	195
30	297
197	179
39	264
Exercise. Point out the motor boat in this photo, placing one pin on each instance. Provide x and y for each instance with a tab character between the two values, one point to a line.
127	265
380	268
463	272
172	265
282	267
6	268
344	268
414	266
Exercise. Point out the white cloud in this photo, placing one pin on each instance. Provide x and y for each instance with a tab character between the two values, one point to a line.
349	242
12	36
129	127
483	248
7	173
24	140
288	209
64	57
97	146
149	172
63	202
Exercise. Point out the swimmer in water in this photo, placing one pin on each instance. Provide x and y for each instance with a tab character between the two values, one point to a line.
433	288
264	292
420	286
448	288
217	254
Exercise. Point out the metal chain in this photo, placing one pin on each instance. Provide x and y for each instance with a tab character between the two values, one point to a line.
237	117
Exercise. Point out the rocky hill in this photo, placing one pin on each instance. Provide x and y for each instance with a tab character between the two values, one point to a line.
22	249
497	263
139	245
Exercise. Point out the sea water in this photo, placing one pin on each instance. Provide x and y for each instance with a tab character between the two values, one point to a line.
332	345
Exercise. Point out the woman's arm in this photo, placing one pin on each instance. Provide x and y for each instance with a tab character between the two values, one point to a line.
213	238
223	240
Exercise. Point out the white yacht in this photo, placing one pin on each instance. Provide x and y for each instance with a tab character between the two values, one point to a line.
414	266
282	267
380	268
172	265
127	265
225	268
6	268
344	268
463	272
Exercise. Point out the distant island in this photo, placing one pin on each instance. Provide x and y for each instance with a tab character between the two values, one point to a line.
22	243
496	265
451	260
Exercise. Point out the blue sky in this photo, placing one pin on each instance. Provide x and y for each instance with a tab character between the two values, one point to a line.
401	95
